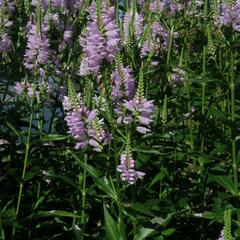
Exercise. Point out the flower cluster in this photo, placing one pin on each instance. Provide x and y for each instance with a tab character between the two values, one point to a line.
85	126
76	124
123	85
132	26
221	237
158	40
37	52
6	9
127	168
142	110
8	5
101	39
168	6
39	91
177	77
230	15
130	106
4	42
98	136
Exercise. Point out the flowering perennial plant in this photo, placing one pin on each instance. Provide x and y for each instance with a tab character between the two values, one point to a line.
96	95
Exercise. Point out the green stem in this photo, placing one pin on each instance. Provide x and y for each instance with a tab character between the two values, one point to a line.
204	80
164	113
83	199
26	157
189	107
234	157
216	9
2	236
25	164
203	93
120	211
127	5
189	110
160	184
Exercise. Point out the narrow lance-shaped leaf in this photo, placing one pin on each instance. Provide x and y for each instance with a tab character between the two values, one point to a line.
102	183
111	226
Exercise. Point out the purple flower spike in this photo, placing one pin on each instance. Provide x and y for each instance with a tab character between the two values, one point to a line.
123	83
166	6
68	36
19	88
37	52
137	24
99	44
143	110
93	49
229	16
126	168
4	42
76	126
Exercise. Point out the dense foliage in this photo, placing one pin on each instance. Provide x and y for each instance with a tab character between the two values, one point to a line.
119	119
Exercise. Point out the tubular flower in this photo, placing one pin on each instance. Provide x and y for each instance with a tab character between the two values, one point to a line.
99	44
8	4
229	16
166	6
127	169
4	42
177	77
44	4
221	237
42	89
133	25
37	52
143	110
93	50
58	4
158	40
84	126
123	85
98	136
76	125
141	3
6	9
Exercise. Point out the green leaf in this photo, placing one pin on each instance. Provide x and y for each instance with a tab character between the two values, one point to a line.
15	131
53	137
64	179
168	232
209	215
142	208
143	233
146	232
225	181
157	178
146	151
111	226
102	182
162	221
57	213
